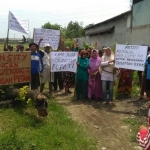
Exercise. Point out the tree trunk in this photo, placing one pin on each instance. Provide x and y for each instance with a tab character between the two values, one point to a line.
39	100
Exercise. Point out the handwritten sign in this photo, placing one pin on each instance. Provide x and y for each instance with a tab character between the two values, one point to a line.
63	61
15	67
18	24
131	57
49	36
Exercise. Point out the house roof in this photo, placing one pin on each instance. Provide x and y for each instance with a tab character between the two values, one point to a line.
107	20
108	30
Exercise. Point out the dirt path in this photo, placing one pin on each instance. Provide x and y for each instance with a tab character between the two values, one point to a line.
103	121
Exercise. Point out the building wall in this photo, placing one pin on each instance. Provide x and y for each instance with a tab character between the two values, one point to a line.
141	13
119	34
139	35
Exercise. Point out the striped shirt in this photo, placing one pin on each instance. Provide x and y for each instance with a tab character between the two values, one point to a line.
144	142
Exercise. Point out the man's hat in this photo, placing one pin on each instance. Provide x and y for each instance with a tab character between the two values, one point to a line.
47	45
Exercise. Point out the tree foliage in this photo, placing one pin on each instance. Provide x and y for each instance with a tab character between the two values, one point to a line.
55	26
75	29
89	25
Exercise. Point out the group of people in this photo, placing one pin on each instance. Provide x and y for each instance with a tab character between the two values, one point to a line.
96	74
94	78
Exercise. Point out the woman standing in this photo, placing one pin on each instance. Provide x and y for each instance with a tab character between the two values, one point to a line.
125	82
107	75
94	81
82	75
68	77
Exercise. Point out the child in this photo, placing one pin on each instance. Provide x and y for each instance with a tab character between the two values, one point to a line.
143	136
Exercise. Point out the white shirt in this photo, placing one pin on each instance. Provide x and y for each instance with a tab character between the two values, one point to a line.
46	59
106	76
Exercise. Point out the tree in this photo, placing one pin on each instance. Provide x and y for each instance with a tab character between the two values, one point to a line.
74	29
89	25
55	26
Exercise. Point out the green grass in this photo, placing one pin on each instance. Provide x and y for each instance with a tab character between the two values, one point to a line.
134	125
22	129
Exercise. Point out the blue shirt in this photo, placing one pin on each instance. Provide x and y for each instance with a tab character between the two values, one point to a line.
36	63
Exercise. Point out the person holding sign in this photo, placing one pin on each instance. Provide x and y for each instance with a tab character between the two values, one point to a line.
148	76
125	82
107	75
47	75
36	66
82	75
68	77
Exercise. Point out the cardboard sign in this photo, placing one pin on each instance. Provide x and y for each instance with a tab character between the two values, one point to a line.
15	67
49	36
63	61
18	24
131	57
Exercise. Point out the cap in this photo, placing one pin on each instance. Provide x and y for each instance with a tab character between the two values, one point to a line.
47	45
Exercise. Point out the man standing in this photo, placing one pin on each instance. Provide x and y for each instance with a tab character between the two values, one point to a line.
36	66
48	76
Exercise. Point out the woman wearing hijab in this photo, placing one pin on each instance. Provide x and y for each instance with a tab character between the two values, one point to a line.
94	81
82	75
107	75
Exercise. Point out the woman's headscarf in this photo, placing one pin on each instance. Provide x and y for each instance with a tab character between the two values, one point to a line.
105	57
94	61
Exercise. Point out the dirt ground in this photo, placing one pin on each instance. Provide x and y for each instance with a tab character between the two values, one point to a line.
104	122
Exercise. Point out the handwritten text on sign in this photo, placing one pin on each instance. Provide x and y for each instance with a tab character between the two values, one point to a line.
15	67
131	57
18	24
49	36
63	61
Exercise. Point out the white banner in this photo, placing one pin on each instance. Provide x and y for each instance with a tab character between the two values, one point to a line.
18	24
63	61
131	57
49	36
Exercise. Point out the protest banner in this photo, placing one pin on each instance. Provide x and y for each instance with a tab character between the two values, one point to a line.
15	67
130	57
49	36
63	61
18	24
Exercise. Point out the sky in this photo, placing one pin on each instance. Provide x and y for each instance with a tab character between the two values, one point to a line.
57	11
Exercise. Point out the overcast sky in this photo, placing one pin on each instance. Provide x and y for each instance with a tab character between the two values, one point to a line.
61	12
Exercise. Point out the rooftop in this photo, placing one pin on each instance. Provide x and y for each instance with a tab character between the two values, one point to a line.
108	20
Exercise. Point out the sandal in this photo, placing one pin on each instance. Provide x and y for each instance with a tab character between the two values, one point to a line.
111	103
104	103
